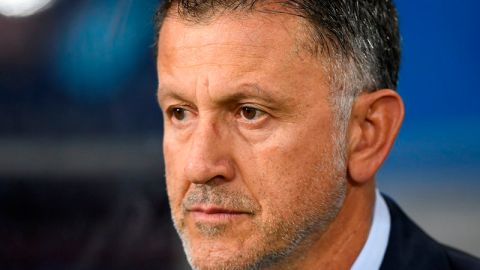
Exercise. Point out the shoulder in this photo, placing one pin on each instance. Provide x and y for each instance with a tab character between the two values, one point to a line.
461	260
409	247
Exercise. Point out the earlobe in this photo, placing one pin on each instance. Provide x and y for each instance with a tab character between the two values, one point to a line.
374	124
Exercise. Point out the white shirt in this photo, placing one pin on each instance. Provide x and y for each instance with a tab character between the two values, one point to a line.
372	253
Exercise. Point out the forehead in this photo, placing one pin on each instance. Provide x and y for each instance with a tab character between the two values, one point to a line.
241	48
234	35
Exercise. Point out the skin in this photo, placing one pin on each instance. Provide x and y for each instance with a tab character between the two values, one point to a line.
249	150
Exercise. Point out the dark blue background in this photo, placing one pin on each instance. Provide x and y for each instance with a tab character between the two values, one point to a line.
439	84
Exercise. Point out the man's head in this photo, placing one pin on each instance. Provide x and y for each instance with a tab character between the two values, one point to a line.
264	146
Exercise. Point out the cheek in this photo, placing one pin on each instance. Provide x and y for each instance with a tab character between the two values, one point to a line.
295	168
176	187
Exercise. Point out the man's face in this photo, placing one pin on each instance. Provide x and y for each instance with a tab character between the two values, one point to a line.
248	146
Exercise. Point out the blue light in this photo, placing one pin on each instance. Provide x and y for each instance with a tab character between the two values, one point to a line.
101	47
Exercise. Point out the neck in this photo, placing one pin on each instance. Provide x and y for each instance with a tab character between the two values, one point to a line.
342	242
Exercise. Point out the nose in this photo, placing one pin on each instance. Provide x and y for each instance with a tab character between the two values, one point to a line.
209	156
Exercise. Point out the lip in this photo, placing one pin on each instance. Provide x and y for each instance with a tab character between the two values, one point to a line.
213	213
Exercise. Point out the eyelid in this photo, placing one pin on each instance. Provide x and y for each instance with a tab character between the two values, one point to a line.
263	113
169	109
188	110
255	108
251	105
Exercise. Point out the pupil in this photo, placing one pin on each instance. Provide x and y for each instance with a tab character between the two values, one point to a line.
249	113
179	113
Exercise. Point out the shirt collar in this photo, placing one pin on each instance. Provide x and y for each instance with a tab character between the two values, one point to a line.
371	256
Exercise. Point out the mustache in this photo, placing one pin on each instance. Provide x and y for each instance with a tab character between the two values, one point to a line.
219	196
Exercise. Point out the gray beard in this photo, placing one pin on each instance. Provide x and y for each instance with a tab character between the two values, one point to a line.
298	236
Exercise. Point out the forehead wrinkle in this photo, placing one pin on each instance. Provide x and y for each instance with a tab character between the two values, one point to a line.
244	45
235	55
201	84
239	54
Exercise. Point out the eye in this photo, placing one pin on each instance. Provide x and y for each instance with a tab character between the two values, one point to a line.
178	113
250	113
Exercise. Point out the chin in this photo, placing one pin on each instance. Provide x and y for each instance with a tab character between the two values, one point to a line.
219	245
205	257
220	253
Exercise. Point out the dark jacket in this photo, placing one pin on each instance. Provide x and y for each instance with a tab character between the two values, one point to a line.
409	247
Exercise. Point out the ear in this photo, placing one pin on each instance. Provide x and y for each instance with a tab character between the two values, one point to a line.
374	124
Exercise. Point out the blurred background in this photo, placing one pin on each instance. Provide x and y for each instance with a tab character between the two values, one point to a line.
81	169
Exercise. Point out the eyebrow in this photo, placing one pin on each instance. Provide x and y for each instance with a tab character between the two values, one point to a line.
163	93
241	92
246	91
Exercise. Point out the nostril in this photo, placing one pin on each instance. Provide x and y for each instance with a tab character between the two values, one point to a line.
216	181
203	172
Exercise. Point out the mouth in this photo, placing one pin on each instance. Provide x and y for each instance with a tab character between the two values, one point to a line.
216	214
